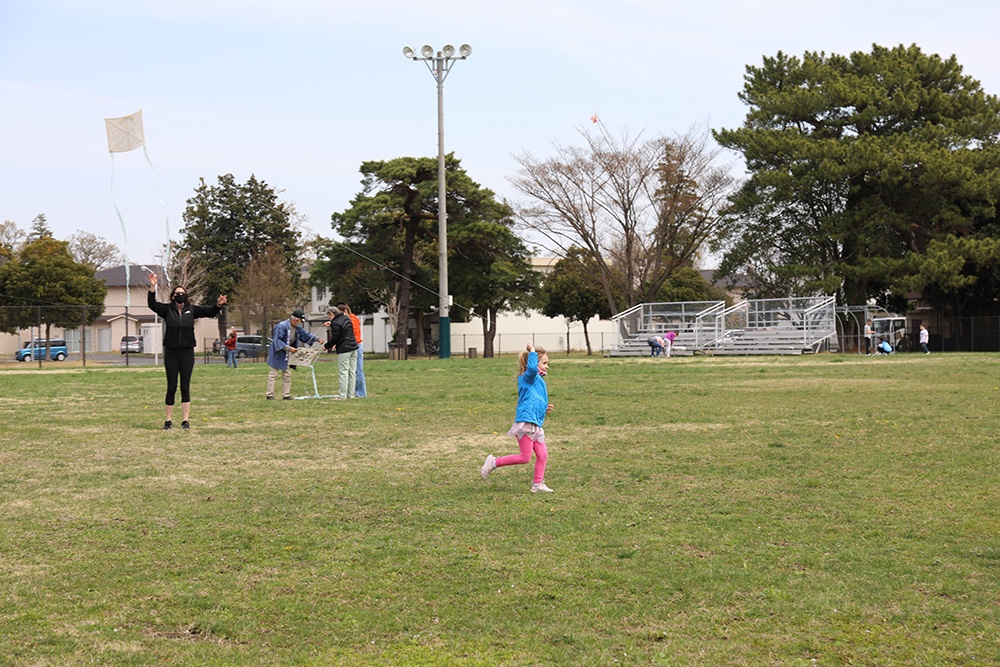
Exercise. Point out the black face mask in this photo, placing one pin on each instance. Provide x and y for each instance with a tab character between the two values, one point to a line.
180	298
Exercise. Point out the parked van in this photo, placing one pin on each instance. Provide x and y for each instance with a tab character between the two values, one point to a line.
247	346
36	349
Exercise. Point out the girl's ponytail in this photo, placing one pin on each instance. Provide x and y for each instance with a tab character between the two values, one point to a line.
523	358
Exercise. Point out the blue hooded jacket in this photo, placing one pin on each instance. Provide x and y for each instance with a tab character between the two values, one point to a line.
532	394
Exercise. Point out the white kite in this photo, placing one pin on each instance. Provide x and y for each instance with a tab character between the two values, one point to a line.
125	133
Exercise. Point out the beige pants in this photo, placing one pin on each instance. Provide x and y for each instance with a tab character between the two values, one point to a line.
286	381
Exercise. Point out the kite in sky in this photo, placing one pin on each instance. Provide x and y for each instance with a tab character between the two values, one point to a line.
593	119
125	134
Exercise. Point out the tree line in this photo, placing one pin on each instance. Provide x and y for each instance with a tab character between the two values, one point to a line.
873	176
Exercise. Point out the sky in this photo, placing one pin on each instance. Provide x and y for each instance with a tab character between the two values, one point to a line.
300	92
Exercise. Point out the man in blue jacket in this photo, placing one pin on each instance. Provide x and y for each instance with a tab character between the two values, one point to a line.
286	339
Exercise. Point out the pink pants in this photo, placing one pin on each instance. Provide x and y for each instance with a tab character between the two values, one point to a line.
526	445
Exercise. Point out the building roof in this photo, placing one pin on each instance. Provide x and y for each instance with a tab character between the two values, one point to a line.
738	281
543	264
115	276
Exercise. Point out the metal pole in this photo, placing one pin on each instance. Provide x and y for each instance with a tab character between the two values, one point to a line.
39	339
156	318
444	319
127	346
83	335
439	66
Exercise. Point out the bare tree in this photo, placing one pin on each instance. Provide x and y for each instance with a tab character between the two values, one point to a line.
184	270
95	251
639	208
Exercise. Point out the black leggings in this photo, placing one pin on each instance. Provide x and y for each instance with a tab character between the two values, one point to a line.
178	361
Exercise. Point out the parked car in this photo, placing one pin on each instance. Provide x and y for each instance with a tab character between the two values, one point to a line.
246	346
36	349
132	344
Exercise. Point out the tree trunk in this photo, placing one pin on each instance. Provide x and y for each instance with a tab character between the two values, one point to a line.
489	332
421	342
586	337
406	268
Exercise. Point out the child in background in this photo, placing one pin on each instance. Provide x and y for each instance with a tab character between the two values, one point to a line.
655	345
230	344
532	406
669	341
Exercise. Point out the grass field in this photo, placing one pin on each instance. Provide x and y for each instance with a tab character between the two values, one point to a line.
829	510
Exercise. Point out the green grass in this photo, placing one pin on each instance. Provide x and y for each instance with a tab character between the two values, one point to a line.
827	510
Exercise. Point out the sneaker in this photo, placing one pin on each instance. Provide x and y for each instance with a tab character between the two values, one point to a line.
185	425
167	425
286	398
489	466
270	398
535	488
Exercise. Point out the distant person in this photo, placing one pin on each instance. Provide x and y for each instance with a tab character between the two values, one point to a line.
883	347
230	344
286	339
341	340
668	340
532	406
869	337
655	346
178	343
925	339
360	390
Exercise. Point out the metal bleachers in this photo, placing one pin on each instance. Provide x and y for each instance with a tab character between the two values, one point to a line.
694	322
795	325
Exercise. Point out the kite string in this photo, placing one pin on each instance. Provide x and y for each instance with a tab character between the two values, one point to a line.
166	213
375	263
121	221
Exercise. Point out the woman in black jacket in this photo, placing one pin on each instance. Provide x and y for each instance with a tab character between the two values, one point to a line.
178	343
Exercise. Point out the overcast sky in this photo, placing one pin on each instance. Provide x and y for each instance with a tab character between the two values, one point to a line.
300	92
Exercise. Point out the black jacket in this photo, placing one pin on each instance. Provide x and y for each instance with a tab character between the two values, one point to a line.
178	327
341	335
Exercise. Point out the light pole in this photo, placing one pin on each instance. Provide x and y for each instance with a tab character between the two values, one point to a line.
439	65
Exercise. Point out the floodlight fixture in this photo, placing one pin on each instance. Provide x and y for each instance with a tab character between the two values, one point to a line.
448	50
408	52
427	51
465	50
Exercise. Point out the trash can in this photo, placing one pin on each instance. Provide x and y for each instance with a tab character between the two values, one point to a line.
472	353
397	351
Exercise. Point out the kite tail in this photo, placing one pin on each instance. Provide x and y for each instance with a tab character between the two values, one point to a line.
121	221
166	214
